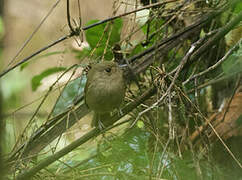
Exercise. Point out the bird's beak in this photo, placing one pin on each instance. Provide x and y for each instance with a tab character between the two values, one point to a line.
122	66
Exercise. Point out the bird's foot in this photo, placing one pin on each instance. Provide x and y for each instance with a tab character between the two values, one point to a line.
120	112
101	126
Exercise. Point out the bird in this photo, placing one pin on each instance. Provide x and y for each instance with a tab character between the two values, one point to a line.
104	91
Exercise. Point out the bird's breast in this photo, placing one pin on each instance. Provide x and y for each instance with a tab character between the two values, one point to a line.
107	94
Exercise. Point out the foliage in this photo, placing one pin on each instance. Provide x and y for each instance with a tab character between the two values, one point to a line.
151	28
36	80
172	137
234	63
101	38
127	156
238	8
70	94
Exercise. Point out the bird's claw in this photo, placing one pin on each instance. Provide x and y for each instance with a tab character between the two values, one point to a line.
121	112
101	126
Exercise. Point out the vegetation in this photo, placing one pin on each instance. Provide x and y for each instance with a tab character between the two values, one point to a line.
181	118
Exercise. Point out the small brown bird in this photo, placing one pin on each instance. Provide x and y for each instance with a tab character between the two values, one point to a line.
104	90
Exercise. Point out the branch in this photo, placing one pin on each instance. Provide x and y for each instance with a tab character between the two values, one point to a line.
68	16
223	31
234	48
34	54
93	133
34	32
180	67
163	46
50	131
84	28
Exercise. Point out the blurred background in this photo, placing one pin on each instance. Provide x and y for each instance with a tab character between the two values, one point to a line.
19	21
143	147
21	18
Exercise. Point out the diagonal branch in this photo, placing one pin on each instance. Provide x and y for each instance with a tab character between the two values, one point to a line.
163	47
93	133
76	113
221	33
75	34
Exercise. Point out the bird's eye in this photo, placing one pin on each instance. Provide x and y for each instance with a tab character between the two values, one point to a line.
108	69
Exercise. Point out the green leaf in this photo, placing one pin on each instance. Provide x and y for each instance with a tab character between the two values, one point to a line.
115	31
96	36
70	94
139	48
93	34
36	80
239	121
24	65
140	124
154	25
234	63
83	53
238	8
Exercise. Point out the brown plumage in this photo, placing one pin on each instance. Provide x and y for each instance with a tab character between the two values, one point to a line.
104	90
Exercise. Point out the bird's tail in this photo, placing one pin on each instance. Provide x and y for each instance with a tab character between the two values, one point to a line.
100	119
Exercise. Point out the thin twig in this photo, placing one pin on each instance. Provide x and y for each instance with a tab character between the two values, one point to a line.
231	98
93	133
36	111
214	81
214	130
234	48
181	65
34	54
84	28
170	119
34	32
68	16
230	25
